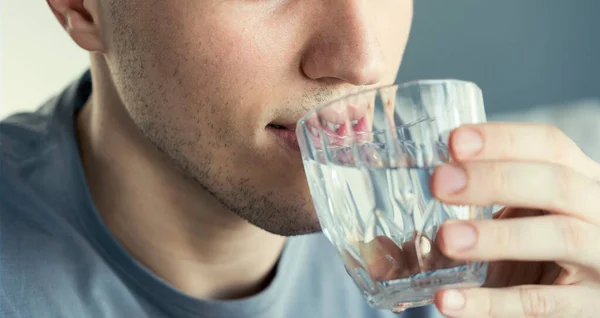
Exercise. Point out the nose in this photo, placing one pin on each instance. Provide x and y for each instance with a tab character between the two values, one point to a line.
344	45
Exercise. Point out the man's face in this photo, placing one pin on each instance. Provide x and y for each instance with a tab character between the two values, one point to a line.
206	80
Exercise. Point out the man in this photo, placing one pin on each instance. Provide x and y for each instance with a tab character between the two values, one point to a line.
158	185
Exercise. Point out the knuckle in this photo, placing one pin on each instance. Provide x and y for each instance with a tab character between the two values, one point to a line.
561	146
562	179
505	238
490	306
536	303
510	142
500	177
553	132
573	235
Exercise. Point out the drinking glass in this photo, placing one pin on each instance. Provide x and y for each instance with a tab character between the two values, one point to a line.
368	159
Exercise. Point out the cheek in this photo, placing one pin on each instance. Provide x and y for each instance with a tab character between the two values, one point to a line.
221	73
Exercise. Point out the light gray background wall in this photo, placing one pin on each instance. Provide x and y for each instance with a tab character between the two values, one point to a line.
521	52
37	58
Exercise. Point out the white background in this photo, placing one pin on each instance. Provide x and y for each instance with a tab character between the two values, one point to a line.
38	59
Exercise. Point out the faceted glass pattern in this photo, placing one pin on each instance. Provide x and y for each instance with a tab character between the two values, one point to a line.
368	158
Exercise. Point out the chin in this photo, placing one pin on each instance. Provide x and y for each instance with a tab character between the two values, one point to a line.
291	224
298	231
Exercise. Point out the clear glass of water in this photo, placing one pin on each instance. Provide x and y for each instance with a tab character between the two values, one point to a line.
368	158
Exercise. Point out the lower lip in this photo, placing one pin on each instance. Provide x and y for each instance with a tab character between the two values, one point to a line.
288	137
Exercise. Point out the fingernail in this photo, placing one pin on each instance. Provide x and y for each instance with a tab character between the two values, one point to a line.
459	236
453	300
451	179
467	142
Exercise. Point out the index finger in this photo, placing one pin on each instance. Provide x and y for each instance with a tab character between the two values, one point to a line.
520	142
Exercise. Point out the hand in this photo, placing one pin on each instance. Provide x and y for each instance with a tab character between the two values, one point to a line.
544	248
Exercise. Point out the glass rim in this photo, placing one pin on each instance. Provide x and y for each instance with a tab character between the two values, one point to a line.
430	82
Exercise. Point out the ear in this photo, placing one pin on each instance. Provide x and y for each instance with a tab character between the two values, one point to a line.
77	18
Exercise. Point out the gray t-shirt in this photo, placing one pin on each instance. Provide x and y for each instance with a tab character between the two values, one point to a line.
58	259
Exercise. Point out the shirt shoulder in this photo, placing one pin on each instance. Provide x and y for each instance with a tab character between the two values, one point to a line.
48	265
22	135
30	178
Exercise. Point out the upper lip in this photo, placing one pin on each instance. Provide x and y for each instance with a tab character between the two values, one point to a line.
352	113
334	118
286	126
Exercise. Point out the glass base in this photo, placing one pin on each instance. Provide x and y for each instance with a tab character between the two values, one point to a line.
419	290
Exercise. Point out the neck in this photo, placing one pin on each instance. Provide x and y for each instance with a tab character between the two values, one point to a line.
167	221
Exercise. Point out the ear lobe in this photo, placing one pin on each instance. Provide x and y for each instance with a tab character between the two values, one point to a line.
79	23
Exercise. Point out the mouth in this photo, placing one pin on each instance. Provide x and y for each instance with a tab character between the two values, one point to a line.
277	126
337	133
286	134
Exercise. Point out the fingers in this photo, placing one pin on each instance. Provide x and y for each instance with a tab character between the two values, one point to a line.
521	184
543	238
520	142
521	301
